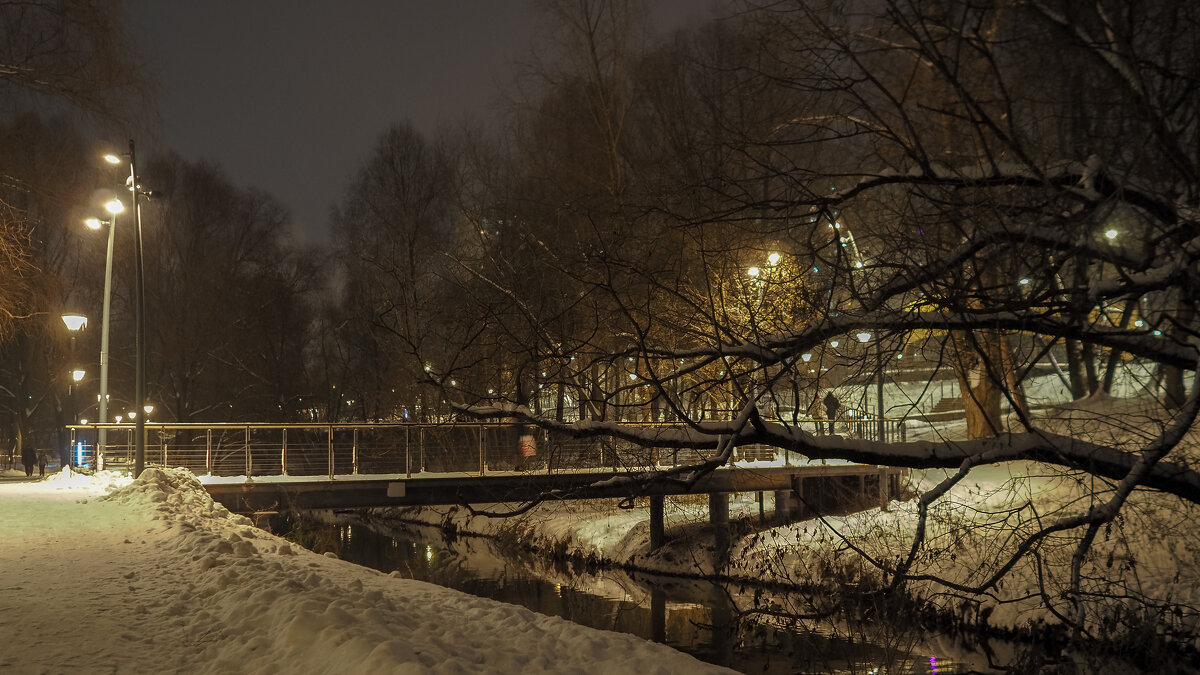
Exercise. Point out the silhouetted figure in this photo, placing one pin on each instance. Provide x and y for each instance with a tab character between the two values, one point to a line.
832	404
28	459
41	463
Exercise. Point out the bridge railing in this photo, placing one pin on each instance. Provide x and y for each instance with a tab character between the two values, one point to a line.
232	449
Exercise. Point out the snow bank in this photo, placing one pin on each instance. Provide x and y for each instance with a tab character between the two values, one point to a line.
168	581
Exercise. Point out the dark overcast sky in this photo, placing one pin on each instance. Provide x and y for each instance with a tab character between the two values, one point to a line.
288	96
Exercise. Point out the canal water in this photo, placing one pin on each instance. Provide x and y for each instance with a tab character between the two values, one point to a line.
747	629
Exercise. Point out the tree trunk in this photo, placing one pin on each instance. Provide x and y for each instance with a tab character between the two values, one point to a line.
980	393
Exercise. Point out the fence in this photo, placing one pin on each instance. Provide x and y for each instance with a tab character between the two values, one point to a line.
230	449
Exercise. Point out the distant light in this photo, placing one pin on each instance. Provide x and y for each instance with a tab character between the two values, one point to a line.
1139	323
149	408
858	265
864	337
806	357
753	271
773	259
428	368
834	343
491	391
77	375
1111	234
1024	282
428	553
1158	332
899	356
132	415
112	159
83	420
633	376
118	418
94	223
114	206
453	383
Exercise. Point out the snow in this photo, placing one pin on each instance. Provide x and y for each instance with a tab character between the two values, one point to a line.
107	574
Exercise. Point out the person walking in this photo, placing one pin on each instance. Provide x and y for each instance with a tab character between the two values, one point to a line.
28	459
832	405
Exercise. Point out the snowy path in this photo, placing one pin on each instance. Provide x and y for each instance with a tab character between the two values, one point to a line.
158	579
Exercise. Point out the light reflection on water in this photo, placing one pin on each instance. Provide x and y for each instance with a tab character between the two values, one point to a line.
745	629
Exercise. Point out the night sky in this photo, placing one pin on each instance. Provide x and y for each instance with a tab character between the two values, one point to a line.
290	96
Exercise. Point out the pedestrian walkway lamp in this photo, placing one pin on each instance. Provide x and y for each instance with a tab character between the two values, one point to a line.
865	337
74	324
114	207
139	389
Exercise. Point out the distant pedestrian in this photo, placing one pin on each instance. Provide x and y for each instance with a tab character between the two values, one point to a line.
41	455
832	405
28	459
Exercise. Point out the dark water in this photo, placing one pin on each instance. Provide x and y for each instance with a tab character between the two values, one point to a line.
743	628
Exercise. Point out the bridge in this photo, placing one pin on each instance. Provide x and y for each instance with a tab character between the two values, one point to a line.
253	468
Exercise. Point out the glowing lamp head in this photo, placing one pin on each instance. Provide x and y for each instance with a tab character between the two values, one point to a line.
114	206
74	322
773	258
148	408
1111	234
753	272
94	223
77	375
112	159
864	337
806	357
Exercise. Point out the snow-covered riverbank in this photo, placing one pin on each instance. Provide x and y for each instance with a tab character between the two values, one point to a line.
1144	571
108	575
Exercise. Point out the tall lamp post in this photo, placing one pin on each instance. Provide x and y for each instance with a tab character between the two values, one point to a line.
114	207
74	323
865	337
139	390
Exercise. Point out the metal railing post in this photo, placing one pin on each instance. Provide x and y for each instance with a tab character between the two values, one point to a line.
249	462
407	455
354	454
330	452
482	464
162	439
283	454
208	464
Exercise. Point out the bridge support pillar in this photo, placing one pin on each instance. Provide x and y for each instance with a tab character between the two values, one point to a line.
657	524
718	517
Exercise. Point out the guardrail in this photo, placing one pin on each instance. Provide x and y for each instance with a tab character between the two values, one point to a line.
233	449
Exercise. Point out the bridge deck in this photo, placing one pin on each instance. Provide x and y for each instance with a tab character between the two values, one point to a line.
358	491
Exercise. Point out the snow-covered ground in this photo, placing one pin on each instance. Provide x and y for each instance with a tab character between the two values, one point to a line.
105	574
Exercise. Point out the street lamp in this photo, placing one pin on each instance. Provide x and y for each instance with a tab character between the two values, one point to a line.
74	324
114	207
865	337
139	395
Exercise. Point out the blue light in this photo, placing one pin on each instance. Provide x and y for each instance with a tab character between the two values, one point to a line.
78	453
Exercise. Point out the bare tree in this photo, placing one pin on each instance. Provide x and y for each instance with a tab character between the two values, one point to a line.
925	182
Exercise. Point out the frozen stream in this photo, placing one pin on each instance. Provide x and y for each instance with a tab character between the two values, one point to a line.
694	616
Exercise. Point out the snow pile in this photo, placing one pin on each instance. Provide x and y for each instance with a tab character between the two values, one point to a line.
169	581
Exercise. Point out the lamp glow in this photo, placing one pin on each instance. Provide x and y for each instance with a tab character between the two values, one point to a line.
74	322
94	223
753	272
864	337
773	258
77	375
114	206
112	159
